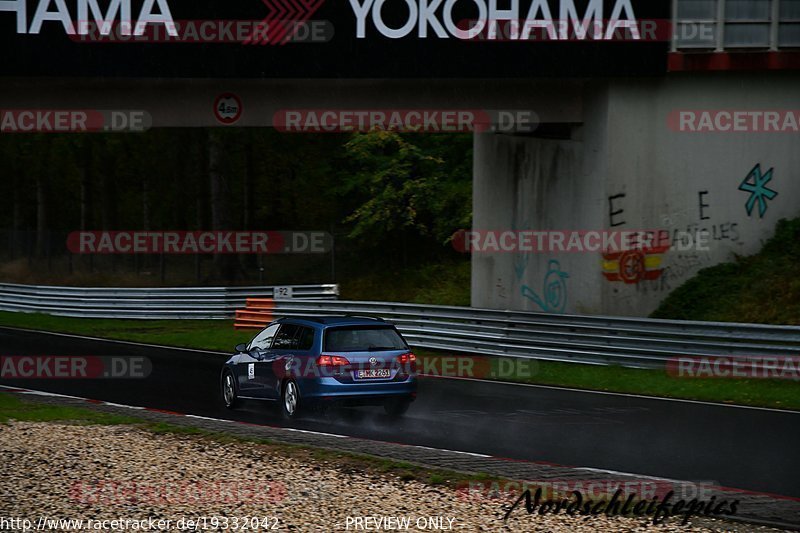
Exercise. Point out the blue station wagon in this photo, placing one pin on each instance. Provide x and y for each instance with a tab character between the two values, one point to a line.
302	362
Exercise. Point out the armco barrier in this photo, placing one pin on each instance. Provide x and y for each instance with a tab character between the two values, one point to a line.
634	342
144	303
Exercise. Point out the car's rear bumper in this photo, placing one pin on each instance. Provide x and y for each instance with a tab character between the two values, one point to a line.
331	389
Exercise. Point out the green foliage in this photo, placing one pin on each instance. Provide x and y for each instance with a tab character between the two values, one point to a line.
762	288
445	283
420	183
160	178
407	185
381	190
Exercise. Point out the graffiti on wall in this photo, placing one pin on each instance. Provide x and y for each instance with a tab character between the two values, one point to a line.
554	290
633	266
660	285
521	259
614	213
630	266
697	235
500	289
645	269
756	184
685	264
681	266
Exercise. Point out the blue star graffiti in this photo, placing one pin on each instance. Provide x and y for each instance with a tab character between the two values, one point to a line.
756	184
554	289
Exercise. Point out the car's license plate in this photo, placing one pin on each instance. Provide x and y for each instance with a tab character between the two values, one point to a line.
373	373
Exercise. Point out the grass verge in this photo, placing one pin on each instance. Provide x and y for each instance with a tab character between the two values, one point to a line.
775	393
219	335
13	408
445	283
215	335
763	288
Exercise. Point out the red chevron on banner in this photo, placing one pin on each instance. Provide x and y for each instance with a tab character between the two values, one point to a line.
283	21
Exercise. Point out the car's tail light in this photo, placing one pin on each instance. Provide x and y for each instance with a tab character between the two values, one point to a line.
332	360
408	360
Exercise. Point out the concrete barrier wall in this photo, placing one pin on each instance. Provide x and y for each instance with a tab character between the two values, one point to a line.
626	167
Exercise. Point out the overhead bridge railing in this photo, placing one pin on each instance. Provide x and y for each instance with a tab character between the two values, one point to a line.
146	303
634	342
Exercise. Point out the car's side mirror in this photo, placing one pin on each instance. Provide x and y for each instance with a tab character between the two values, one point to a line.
241	348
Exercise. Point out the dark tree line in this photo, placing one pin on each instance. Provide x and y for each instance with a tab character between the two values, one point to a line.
377	189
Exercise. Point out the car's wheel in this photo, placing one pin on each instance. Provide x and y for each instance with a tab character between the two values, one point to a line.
229	395
396	406
290	400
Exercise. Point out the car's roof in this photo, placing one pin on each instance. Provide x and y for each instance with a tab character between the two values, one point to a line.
333	321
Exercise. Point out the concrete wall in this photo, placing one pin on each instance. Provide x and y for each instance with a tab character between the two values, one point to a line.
654	176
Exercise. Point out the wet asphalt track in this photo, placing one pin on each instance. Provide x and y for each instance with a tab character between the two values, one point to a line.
742	448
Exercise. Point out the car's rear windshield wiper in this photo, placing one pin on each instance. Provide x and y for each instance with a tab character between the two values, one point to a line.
382	348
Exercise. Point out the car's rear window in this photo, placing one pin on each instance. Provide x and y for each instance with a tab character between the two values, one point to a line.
363	339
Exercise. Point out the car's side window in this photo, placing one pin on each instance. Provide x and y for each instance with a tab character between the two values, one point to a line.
263	340
285	339
305	338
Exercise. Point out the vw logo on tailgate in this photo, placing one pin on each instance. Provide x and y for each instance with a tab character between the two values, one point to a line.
373	360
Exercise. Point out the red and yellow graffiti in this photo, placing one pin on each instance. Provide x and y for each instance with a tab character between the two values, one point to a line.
633	266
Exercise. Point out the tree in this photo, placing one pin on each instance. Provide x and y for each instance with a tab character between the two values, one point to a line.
407	187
